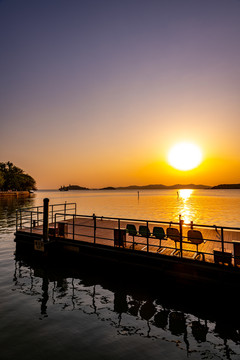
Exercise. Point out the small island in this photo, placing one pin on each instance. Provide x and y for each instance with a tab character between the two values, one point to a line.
72	187
227	186
14	181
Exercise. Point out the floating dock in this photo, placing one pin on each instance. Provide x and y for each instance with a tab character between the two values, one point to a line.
11	193
188	251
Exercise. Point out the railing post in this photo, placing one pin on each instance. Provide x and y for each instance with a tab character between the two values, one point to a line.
16	220
31	219
45	218
37	216
222	239
73	225
20	218
147	239
119	233
52	213
181	234
94	228
65	205
55	224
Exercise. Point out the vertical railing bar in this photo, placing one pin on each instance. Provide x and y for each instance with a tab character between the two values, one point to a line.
31	223
119	233
222	239
52	213
16	220
20	218
94	229
55	224
73	225
147	238
181	237
65	210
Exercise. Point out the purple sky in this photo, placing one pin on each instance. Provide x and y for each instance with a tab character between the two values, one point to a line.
96	92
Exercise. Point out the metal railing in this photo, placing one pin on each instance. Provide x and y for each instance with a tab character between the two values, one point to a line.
32	217
222	242
209	243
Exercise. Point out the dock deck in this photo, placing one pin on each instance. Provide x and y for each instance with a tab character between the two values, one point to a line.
219	245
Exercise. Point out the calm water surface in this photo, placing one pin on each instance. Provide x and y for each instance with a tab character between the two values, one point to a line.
48	311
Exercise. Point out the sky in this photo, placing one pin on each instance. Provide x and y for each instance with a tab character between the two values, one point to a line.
97	92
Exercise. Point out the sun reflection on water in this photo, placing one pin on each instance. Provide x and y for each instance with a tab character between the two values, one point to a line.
185	208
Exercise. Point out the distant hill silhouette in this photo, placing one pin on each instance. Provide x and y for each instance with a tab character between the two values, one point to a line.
154	187
163	187
227	186
138	187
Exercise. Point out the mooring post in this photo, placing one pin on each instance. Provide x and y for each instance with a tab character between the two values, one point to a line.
45	219
181	234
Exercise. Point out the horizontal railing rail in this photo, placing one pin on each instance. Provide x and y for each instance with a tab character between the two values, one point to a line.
220	242
33	216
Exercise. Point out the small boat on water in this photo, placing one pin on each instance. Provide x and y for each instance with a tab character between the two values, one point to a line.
63	188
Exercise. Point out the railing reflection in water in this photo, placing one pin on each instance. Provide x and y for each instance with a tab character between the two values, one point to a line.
135	312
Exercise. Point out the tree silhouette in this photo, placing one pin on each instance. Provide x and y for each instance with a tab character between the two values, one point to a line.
14	178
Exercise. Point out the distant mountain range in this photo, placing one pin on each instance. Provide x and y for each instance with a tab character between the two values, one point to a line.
154	187
163	187
227	186
138	187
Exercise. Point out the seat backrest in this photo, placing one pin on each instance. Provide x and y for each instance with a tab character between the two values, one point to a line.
144	231
131	229
195	236
158	232
173	234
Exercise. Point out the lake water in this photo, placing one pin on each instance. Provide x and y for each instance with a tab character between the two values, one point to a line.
51	311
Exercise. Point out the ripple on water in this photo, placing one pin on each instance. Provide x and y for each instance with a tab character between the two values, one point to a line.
90	317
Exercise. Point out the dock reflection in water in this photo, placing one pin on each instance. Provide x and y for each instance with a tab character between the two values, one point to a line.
162	315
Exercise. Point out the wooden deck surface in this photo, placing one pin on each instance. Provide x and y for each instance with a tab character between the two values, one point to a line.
84	231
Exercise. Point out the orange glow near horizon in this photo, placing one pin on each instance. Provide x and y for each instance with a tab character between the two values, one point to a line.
121	86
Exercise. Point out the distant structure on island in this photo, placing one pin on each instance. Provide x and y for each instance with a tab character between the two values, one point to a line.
72	187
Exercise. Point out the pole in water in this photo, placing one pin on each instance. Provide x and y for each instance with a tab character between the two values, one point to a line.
138	194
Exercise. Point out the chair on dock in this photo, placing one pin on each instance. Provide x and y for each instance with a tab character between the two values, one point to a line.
159	233
195	237
144	231
174	234
132	231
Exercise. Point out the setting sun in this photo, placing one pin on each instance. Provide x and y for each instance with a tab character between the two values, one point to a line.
185	156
